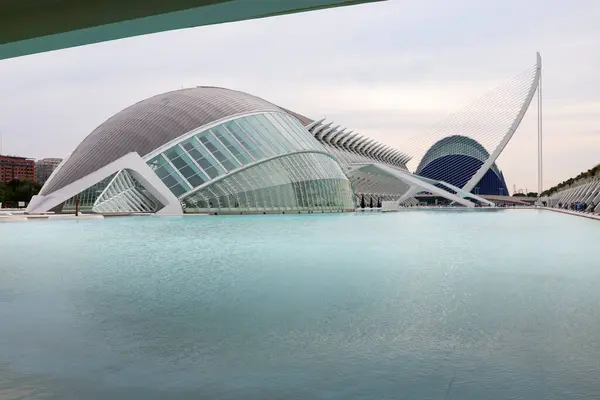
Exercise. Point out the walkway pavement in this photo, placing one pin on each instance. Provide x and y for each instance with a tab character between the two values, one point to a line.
577	213
24	217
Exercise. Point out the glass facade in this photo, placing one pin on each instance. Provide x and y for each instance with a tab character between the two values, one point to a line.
305	181
298	182
265	162
228	147
88	197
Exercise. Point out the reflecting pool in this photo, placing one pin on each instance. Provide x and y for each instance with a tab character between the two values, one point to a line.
437	304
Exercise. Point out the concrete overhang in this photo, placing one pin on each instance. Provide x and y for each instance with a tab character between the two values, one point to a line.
36	26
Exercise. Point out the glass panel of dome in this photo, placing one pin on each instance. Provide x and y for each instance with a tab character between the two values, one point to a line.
206	161
232	145
218	151
302	136
244	140
266	147
168	175
183	162
283	130
274	134
223	148
261	131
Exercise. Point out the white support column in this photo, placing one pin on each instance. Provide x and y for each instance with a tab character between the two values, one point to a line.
596	194
577	193
566	195
588	190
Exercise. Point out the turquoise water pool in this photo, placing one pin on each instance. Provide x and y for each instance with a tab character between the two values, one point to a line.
440	304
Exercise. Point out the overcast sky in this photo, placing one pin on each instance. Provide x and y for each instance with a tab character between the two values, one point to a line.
389	70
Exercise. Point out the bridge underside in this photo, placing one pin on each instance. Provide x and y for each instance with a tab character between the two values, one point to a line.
34	26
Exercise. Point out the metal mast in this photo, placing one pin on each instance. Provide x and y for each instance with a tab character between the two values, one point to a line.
540	164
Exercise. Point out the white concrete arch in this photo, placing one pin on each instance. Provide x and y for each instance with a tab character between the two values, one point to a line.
380	152
339	137
369	150
386	154
326	132
349	136
361	147
346	145
320	128
395	156
510	131
355	143
137	168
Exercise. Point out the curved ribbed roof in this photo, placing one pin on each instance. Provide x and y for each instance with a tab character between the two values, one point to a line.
303	120
151	123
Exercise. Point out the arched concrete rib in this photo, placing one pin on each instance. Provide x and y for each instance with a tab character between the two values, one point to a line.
371	148
380	154
349	136
341	135
331	139
354	143
314	124
361	148
379	150
386	155
320	128
325	133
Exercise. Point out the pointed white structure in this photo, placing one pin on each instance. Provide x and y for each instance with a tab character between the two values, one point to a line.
463	148
526	101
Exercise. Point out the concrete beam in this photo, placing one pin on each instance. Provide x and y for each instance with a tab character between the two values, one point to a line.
34	26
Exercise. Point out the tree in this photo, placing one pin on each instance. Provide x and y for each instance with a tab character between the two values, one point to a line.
5	192
590	173
15	191
371	203
532	194
362	201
